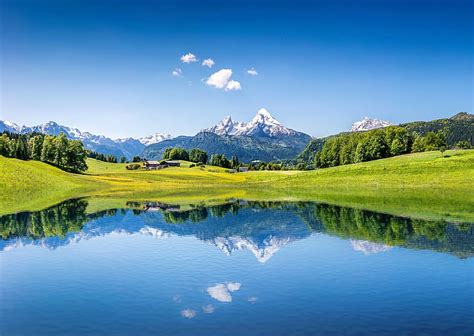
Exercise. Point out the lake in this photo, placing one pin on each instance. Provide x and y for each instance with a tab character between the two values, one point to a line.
240	268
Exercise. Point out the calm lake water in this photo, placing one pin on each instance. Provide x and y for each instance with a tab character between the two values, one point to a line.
236	269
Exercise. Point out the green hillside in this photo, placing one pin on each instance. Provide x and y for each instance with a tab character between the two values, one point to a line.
425	185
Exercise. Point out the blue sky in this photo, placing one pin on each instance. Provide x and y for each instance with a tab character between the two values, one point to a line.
106	66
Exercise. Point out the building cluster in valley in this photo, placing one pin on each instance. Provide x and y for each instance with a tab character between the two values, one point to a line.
155	165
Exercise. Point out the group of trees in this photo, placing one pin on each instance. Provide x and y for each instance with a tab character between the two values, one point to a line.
261	165
195	155
105	158
376	144
220	160
60	151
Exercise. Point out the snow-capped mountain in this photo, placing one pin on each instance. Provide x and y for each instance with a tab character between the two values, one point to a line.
127	147
262	124
367	124
10	127
226	127
155	138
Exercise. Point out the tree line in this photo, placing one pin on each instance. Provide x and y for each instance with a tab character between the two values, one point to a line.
220	160
66	154
376	144
104	157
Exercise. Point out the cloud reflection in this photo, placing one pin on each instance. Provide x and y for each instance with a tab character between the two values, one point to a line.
188	313
221	292
208	309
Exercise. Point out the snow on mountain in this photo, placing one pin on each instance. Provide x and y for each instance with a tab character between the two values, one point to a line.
368	247
9	127
262	124
262	252
155	138
367	124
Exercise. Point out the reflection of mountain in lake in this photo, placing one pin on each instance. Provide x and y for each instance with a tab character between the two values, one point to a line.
368	247
259	227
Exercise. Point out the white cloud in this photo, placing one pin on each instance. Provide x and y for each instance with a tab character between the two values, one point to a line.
188	313
220	78
221	292
208	62
233	85
177	72
252	72
208	309
189	58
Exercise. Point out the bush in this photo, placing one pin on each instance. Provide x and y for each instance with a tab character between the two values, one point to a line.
464	144
133	166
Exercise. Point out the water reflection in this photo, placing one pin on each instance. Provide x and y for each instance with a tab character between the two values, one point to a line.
259	227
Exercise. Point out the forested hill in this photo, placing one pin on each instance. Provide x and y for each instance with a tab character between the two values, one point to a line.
457	128
246	148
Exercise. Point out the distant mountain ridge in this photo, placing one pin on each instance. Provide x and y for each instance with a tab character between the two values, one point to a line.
263	138
368	124
127	147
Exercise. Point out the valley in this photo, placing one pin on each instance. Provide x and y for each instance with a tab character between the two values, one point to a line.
424	185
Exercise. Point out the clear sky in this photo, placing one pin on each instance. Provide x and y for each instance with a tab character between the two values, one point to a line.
107	66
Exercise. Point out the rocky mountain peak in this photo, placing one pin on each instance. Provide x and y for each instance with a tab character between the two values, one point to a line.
262	124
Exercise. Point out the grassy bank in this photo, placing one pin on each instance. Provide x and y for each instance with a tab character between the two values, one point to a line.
424	185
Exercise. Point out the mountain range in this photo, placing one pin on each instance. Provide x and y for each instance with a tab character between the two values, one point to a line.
127	147
262	138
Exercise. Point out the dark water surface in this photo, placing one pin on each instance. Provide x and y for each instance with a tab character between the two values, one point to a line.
241	268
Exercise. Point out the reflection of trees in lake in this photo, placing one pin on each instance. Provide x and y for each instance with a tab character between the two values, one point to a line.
344	222
391	230
54	221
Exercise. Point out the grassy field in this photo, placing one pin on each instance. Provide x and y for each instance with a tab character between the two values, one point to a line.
424	185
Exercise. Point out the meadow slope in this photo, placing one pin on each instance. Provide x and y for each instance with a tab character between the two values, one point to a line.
425	185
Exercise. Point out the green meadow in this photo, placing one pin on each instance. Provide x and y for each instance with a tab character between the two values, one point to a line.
422	185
